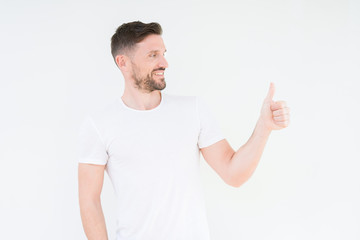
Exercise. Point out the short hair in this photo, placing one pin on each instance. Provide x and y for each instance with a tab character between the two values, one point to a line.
129	34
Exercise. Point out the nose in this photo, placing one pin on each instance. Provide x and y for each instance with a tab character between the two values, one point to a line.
163	62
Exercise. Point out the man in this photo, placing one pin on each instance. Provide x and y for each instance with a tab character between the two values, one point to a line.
149	143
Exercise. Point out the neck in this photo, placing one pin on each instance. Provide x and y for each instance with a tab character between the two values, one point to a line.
140	100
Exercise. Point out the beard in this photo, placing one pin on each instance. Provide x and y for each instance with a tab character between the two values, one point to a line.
148	83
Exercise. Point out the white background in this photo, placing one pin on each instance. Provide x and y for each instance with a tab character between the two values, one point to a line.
56	66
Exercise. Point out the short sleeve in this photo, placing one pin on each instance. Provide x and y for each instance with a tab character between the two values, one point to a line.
91	148
210	131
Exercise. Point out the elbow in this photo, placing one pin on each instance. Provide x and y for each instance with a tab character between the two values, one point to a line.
238	176
237	184
239	179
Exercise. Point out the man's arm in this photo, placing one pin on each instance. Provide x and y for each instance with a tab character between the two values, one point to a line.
235	168
91	177
218	156
245	160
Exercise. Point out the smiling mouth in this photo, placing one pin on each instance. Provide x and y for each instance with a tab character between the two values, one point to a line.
159	74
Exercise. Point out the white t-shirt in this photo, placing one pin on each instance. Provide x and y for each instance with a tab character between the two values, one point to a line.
152	158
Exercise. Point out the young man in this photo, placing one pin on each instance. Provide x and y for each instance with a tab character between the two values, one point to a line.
149	143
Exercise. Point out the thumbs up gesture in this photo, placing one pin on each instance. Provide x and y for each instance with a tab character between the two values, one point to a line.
274	115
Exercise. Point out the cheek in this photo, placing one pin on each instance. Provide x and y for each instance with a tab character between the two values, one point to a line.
151	70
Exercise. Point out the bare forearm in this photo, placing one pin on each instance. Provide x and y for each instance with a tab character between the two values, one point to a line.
93	220
244	161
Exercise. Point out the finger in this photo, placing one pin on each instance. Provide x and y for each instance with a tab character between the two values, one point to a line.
283	123
281	111
271	92
281	118
278	105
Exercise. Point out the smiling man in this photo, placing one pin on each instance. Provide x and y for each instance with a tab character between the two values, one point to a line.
149	143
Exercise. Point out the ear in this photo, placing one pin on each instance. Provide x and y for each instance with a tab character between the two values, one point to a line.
121	61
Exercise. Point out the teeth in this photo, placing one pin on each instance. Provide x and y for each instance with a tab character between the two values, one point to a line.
159	73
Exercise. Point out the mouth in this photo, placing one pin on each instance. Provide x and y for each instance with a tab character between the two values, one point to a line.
161	73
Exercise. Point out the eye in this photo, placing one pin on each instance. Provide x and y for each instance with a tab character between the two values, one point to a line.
153	55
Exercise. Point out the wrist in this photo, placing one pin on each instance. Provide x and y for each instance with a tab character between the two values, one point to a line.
262	128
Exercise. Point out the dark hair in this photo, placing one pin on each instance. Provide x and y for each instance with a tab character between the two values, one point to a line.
128	34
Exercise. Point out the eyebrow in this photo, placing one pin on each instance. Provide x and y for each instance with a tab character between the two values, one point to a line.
155	51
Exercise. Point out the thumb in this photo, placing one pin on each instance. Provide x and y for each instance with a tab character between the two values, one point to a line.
271	92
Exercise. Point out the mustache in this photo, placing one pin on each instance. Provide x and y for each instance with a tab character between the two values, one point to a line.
159	69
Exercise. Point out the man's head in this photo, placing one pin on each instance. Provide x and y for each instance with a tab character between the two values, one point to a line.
138	50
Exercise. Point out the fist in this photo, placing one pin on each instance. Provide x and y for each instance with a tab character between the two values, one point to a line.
274	115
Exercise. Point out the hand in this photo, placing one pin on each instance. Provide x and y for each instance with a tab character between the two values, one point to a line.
274	115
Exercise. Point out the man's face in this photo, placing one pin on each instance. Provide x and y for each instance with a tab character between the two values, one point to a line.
149	63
